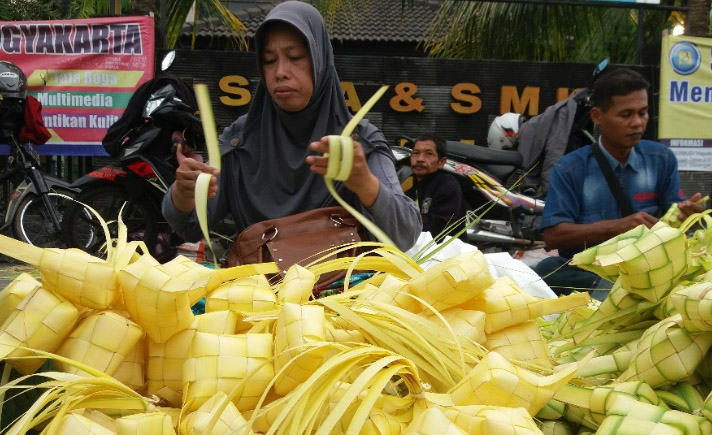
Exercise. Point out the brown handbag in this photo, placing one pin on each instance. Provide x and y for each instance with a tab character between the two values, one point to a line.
297	239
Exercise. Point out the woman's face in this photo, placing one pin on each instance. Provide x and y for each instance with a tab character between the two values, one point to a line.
287	68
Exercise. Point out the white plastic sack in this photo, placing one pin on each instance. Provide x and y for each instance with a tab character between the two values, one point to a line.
499	264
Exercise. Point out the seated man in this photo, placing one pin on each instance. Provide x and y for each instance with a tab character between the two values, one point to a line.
437	193
581	210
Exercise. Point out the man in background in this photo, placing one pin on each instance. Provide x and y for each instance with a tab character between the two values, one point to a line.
437	193
581	207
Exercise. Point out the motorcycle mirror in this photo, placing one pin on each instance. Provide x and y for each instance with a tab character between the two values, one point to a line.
168	60
601	66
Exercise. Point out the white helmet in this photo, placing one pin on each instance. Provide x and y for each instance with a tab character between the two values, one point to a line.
504	131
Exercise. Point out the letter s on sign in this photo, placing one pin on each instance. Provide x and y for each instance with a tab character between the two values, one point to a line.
465	92
235	87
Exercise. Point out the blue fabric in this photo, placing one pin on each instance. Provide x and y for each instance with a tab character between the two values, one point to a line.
564	278
579	194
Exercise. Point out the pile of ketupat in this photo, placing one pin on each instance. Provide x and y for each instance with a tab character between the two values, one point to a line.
446	350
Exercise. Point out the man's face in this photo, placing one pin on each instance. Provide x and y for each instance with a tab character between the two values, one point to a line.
623	124
424	159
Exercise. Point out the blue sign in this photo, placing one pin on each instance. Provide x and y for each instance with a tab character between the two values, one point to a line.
685	58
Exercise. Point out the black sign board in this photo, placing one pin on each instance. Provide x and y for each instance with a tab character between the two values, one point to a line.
455	98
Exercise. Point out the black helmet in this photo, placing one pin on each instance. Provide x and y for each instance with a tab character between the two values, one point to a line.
13	82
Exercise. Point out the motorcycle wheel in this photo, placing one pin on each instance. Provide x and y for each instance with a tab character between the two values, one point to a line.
83	230
32	223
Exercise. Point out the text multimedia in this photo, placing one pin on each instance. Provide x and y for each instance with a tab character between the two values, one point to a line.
119	38
682	92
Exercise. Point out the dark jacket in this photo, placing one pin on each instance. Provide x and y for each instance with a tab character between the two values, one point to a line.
439	198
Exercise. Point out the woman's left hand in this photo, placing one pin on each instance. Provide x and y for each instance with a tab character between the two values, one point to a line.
362	181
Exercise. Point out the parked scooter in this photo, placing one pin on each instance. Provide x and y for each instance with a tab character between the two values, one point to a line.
506	220
160	115
35	200
543	139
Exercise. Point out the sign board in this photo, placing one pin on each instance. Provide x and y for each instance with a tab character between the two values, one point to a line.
457	99
686	100
82	71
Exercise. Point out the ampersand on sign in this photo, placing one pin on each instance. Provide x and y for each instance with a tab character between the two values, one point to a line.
403	101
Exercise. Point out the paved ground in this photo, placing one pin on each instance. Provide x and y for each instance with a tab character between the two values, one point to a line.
10	270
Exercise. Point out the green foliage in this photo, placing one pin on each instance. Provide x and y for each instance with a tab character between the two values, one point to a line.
17	10
525	31
177	11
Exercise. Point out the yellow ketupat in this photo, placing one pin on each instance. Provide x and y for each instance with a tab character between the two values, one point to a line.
185	269
469	324
296	326
652	265
394	291
492	420
156	300
522	342
102	340
495	381
41	321
453	281
78	424
154	423
432	421
15	292
248	295
79	277
297	285
221	362
165	360
505	304
230	420
132	370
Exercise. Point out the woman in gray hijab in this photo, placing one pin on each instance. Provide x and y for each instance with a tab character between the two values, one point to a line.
272	163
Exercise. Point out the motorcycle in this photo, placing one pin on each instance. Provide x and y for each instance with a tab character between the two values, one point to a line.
144	145
35	201
560	129
503	219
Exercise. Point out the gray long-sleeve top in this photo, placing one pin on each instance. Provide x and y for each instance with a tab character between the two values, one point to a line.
393	212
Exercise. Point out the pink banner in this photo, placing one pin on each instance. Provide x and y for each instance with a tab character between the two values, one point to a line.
82	71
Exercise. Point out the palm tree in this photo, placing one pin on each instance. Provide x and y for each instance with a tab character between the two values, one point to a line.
527	31
698	20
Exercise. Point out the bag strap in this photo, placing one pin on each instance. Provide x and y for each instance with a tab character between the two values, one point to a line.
623	204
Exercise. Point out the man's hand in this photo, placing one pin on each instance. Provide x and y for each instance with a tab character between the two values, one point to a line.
578	236
362	182
183	193
640	218
689	206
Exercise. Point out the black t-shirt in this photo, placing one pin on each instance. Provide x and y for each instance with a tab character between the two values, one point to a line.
439	199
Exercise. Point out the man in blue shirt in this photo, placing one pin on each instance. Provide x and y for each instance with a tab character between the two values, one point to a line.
581	210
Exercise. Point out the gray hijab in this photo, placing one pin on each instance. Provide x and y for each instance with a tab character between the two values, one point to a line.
268	168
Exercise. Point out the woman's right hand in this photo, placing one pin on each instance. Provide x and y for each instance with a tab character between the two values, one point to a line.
183	192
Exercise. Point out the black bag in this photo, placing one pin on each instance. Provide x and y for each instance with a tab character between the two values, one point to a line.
132	119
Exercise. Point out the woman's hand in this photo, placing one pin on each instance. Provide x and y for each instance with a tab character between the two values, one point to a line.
183	193
362	182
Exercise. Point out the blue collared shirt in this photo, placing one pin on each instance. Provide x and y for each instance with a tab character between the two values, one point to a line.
578	191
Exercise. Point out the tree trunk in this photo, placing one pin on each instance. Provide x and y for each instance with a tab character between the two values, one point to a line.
144	7
698	18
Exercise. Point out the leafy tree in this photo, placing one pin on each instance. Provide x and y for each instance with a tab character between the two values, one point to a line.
528	31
